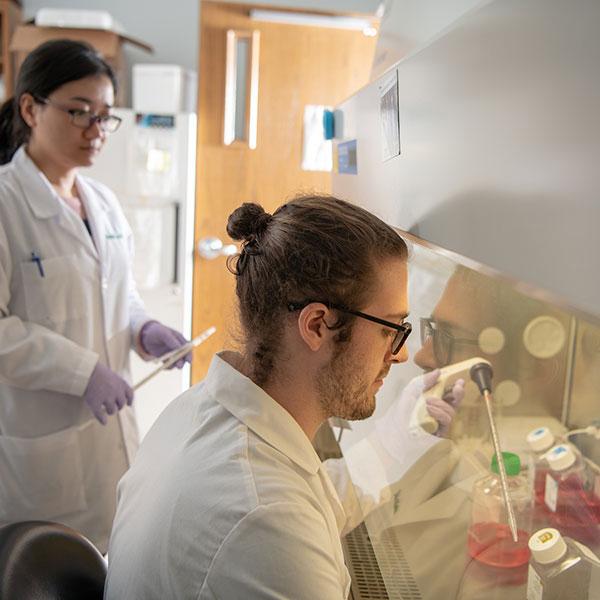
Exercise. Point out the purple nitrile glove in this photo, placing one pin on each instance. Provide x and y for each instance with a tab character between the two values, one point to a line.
106	393
157	339
443	410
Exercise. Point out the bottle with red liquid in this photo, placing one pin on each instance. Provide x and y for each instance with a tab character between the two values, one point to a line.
571	504
489	537
539	440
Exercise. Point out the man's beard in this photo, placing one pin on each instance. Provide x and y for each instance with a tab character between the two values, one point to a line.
342	391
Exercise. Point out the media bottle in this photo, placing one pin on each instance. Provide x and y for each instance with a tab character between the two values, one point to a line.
569	499
489	537
539	440
561	568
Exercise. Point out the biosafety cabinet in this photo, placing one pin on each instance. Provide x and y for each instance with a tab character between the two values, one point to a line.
416	489
482	148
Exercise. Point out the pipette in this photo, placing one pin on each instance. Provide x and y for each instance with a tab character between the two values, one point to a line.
170	358
481	374
449	375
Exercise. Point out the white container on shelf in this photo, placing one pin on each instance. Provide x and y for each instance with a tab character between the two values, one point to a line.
164	89
77	18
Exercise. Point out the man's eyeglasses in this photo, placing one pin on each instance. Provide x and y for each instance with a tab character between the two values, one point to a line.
84	118
443	341
402	330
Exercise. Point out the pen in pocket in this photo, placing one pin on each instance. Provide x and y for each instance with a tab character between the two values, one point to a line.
36	259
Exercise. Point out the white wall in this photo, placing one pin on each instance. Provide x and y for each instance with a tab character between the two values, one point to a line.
346	6
174	35
409	24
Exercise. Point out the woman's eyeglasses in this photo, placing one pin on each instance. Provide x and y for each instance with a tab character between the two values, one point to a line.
402	330
84	118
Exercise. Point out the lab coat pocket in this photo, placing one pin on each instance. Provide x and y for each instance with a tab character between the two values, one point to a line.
41	478
54	290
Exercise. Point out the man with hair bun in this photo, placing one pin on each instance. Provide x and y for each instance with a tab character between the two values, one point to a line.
227	497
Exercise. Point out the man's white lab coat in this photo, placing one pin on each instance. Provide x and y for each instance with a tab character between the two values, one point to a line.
228	499
58	317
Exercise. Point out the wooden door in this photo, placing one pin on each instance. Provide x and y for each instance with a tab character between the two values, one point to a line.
298	65
10	18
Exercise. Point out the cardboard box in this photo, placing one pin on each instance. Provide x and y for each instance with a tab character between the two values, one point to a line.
108	43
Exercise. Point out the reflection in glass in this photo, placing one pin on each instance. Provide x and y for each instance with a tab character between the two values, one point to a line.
415	489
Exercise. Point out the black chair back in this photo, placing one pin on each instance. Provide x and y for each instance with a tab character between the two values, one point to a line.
40	560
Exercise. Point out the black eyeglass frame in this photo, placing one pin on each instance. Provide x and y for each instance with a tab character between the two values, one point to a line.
403	330
104	120
428	324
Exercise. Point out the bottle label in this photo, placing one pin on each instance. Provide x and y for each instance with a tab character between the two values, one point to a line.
531	469
535	589
551	493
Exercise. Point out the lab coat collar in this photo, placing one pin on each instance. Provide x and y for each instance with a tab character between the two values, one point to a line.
259	412
37	190
45	203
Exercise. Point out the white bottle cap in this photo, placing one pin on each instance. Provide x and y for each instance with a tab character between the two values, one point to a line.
561	457
540	439
547	545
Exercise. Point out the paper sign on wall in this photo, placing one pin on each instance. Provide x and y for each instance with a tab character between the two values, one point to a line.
389	116
346	158
316	150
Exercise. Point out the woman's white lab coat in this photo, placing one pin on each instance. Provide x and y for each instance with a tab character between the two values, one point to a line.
58	317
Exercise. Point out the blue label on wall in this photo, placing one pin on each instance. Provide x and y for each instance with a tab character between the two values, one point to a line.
347	158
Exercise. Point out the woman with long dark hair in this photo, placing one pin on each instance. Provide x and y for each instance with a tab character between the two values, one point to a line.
69	309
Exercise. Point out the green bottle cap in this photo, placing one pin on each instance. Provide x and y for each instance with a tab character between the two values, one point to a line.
512	463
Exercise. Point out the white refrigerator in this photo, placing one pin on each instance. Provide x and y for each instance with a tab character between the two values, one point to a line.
150	164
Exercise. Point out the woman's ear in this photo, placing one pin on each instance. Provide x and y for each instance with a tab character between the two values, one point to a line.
28	108
312	325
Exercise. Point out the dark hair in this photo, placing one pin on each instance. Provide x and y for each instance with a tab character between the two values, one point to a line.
312	248
48	67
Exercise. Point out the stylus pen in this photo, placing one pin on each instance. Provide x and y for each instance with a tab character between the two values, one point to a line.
170	358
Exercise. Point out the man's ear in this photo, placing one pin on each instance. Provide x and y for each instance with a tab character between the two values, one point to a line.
312	325
28	109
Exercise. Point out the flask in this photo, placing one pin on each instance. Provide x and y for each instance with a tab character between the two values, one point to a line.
561	568
569	496
489	537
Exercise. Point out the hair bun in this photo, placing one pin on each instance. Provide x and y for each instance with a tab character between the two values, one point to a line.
250	219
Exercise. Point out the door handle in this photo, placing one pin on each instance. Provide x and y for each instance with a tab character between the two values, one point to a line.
212	247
